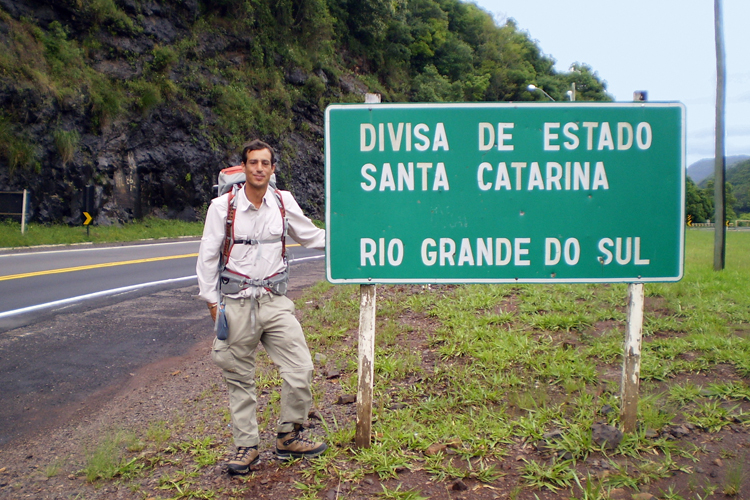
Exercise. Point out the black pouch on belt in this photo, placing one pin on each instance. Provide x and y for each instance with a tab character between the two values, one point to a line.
222	326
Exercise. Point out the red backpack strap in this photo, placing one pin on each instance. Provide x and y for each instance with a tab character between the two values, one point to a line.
228	230
280	200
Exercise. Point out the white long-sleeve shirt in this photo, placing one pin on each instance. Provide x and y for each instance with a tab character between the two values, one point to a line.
264	223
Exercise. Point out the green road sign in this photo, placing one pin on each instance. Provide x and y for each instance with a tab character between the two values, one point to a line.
497	193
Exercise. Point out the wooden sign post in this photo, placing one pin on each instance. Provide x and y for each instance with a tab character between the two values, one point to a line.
631	359
366	367
366	347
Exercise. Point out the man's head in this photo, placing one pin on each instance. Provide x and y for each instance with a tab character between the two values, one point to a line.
258	145
258	164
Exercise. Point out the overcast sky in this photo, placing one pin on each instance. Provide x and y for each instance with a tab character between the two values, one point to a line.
665	47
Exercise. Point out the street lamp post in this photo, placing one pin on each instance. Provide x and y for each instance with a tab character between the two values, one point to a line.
572	92
533	87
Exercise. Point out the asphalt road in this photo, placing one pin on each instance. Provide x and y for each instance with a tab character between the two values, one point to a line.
68	359
36	284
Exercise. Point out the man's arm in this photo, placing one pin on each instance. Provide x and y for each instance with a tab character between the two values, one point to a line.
301	227
207	266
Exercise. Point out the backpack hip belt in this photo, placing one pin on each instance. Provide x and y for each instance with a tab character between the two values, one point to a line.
233	282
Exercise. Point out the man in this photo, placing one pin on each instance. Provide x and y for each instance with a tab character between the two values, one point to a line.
252	298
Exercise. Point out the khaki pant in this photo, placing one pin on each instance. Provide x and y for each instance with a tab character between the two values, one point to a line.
281	334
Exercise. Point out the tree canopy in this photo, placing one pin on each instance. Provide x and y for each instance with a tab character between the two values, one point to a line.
699	199
418	50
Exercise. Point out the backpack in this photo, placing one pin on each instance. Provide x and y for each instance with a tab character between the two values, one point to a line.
231	180
230	176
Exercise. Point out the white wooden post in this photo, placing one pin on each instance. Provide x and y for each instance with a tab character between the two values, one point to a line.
366	369
23	213
631	362
366	346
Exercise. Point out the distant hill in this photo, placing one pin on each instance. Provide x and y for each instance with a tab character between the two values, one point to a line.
702	169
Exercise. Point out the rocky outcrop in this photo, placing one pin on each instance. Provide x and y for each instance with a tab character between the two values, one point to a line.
160	159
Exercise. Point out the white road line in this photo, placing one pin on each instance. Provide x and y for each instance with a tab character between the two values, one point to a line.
88	296
314	257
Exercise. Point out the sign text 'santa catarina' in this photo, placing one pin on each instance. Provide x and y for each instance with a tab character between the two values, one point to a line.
497	193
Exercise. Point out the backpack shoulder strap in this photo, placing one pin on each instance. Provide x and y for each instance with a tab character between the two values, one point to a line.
229	225
280	202
229	228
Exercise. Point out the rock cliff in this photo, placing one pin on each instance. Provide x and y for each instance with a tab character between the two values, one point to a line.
139	99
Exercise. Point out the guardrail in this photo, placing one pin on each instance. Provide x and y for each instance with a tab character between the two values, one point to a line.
737	224
15	204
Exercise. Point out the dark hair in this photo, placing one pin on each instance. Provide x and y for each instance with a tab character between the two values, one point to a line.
257	145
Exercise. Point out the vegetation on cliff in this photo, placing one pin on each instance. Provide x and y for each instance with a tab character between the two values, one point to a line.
147	100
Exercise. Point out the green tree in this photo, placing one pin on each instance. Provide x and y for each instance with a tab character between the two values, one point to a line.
739	177
698	205
729	199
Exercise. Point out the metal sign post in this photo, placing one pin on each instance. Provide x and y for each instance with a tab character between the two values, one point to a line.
88	206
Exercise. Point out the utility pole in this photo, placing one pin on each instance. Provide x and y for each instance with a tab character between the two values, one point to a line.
720	210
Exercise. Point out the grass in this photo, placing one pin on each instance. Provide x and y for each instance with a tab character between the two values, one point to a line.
59	234
517	375
107	458
505	392
148	228
735	477
66	142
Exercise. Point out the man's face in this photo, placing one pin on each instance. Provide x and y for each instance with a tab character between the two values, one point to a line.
258	168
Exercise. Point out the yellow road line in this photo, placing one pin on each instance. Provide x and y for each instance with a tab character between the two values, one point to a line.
96	266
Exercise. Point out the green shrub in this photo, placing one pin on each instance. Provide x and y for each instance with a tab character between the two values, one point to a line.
66	142
148	95
107	12
106	99
164	59
17	151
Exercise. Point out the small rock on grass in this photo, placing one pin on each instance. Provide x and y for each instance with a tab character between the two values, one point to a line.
618	494
606	435
346	399
459	485
314	415
679	431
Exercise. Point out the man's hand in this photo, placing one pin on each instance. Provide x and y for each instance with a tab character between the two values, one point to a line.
212	306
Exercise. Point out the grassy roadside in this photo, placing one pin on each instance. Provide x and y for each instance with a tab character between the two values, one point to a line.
497	386
148	228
